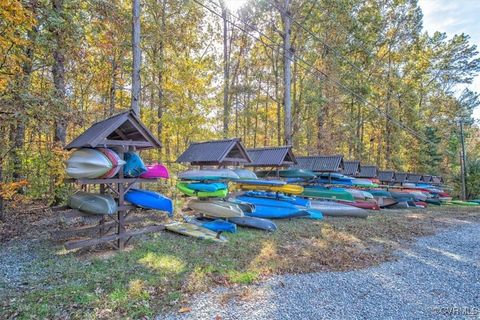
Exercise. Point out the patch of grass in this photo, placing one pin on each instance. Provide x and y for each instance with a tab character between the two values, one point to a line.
157	273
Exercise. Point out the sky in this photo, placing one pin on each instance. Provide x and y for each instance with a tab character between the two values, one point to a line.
454	17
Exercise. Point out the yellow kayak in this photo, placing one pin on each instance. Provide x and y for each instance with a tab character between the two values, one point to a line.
188	229
286	188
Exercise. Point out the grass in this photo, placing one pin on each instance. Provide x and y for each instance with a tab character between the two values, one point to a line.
160	273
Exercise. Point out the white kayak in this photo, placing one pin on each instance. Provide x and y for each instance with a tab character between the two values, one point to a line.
88	163
216	208
208	174
335	209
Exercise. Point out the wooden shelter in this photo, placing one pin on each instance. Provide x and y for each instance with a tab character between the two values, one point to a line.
215	153
414	177
368	172
401	177
123	132
386	176
332	163
272	157
351	168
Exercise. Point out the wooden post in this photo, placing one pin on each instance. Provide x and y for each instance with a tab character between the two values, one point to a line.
101	231
121	212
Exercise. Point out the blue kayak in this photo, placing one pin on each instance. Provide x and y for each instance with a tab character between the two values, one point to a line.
261	182
134	165
207	187
281	197
217	225
253	222
277	209
149	200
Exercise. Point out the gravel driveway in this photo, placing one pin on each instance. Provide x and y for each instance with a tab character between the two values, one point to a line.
436	277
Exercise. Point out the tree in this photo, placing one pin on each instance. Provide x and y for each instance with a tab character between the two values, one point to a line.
137	56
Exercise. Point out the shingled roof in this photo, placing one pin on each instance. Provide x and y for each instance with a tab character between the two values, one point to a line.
400	177
219	152
427	178
351	167
333	163
368	172
271	157
437	180
414	177
386	176
123	129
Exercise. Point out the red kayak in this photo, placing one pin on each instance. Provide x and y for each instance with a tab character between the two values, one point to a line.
421	204
362	204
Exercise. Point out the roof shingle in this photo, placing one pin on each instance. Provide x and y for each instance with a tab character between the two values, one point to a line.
229	151
333	163
271	157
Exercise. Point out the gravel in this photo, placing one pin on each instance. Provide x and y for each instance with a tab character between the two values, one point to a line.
436	277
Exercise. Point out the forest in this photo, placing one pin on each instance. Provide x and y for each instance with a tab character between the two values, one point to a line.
358	77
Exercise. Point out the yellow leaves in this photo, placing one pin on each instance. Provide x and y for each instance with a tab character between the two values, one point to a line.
9	189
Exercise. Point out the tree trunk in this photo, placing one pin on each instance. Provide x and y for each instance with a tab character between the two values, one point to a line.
113	86
137	56
226	71
2	206
58	73
287	74
161	58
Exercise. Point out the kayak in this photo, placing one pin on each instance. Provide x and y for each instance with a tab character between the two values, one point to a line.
212	174
150	200
207	187
88	163
335	209
245	174
155	171
400	205
463	203
290	173
115	160
421	204
216	208
434	201
134	166
278	209
363	183
262	182
362	204
384	202
253	222
287	188
322	192
93	203
244	206
278	196
183	187
218	225
192	230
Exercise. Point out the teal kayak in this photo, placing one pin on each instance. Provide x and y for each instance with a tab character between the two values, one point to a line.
325	193
290	173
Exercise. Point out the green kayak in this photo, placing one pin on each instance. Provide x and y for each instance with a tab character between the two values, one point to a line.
290	173
325	193
463	203
201	194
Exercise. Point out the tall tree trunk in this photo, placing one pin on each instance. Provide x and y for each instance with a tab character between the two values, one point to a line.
2	206
113	85
58	73
287	74
137	57
161	58
226	71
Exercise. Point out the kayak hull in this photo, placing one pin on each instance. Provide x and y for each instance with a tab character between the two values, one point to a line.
191	230
325	193
150	200
334	209
217	225
88	164
216	208
156	171
254	222
93	203
183	187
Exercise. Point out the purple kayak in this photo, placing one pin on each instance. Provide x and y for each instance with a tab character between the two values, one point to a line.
155	171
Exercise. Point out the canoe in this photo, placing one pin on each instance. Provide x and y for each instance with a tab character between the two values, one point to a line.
155	171
149	200
290	173
277	209
93	203
362	204
261	182
325	193
217	225
287	188
215	208
245	174
253	222
278	196
183	187
384	202
212	174
334	209
134	165
88	164
207	187
115	160
192	230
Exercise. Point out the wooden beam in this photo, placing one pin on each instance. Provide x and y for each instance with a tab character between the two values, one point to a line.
77	244
132	143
